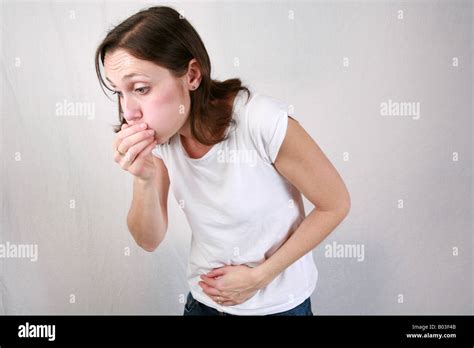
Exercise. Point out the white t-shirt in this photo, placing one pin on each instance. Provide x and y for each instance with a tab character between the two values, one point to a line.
239	208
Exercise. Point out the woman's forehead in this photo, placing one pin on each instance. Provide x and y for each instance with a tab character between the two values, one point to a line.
122	62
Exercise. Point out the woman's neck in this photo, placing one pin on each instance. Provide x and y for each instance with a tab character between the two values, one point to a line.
185	131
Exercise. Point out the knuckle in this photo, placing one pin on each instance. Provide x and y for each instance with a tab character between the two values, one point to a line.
144	134
125	143
130	156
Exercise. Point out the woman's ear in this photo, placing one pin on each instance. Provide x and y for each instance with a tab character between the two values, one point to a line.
194	75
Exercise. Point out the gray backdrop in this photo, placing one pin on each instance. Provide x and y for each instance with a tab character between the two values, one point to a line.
385	89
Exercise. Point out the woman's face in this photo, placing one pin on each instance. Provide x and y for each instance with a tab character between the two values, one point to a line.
148	93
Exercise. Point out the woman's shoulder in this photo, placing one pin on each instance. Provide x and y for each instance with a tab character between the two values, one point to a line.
265	121
262	107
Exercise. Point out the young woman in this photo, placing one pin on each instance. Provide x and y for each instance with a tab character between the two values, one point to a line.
236	162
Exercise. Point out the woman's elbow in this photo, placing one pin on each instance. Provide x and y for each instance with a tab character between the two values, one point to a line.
150	245
346	205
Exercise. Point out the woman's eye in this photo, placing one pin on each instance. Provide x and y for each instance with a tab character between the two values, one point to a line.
142	90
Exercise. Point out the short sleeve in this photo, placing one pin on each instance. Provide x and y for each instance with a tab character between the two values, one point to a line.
267	121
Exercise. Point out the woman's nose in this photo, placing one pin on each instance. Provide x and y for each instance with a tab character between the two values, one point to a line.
131	110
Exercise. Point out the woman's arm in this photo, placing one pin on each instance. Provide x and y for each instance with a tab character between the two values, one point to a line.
301	162
147	218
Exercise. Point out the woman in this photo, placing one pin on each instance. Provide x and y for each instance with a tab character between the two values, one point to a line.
237	164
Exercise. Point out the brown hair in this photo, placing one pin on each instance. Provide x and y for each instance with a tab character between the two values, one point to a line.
161	35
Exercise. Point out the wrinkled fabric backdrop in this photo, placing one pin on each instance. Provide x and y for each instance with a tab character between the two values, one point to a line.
385	89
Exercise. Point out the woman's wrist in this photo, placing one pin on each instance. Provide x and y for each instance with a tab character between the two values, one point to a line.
262	276
143	182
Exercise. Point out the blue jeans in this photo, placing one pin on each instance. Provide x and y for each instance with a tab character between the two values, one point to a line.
194	307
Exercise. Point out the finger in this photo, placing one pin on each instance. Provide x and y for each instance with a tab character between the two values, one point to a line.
146	151
208	290
210	281
220	299
117	157
216	272
127	164
228	303
137	169
134	139
127	131
135	150
223	299
125	125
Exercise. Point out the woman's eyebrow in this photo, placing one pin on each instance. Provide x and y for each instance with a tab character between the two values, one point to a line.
128	76
134	74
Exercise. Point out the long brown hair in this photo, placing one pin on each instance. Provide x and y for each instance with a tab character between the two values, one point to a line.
163	36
